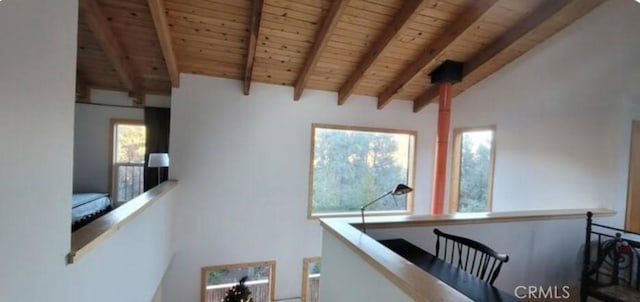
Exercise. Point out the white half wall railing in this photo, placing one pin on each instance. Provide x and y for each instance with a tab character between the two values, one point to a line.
544	248
123	255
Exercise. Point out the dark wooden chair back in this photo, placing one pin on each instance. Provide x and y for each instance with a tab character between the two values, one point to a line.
470	256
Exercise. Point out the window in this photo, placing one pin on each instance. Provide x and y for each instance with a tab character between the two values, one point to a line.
352	165
310	279
472	169
216	280
127	171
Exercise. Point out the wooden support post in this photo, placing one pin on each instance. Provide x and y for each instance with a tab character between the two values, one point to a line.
442	144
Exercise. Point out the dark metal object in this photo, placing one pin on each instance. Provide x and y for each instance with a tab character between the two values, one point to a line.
471	256
400	189
448	72
462	281
616	264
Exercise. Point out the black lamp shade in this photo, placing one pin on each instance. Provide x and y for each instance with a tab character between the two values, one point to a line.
401	190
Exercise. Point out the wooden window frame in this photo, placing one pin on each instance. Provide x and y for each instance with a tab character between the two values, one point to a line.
631	208
112	139
455	166
305	275
272	275
410	173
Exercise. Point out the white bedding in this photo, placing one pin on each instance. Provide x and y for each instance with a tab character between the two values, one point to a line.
84	204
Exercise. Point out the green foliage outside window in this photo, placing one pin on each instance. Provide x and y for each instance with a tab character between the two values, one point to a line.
130	143
475	169
352	167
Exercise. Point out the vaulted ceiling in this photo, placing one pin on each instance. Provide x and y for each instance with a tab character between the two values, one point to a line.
381	48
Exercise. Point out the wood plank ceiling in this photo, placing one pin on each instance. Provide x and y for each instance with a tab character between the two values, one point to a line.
381	48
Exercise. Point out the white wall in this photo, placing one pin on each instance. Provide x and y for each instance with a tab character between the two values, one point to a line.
243	166
37	84
92	142
563	114
37	87
131	263
92	135
361	282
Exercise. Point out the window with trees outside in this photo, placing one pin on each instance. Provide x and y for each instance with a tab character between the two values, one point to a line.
216	280
310	279
350	166
472	169
129	139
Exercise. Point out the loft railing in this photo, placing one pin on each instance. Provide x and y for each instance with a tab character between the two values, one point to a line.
129	181
259	291
314	288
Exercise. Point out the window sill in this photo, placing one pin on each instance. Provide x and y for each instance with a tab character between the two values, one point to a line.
472	218
357	214
91	235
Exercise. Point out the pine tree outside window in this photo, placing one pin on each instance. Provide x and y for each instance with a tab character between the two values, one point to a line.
472	169
350	166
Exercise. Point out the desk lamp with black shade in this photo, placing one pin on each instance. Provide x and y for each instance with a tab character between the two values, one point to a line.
400	189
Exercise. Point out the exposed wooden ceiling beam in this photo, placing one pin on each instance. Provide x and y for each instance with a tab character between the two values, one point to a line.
99	25
425	98
83	91
138	100
399	21
254	29
158	12
545	11
321	39
470	16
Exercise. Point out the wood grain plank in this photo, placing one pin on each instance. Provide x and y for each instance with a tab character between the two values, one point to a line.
464	22
98	24
254	29
158	12
398	23
524	26
321	40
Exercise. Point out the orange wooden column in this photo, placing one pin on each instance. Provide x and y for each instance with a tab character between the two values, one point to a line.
445	75
442	144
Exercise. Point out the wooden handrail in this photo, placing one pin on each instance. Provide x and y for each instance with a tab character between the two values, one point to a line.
377	222
89	236
408	277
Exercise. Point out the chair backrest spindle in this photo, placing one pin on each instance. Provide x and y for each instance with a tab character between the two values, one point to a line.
480	261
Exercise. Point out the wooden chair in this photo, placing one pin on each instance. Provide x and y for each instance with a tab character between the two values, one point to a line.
470	256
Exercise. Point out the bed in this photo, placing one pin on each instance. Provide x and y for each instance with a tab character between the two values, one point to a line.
86	207
611	264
